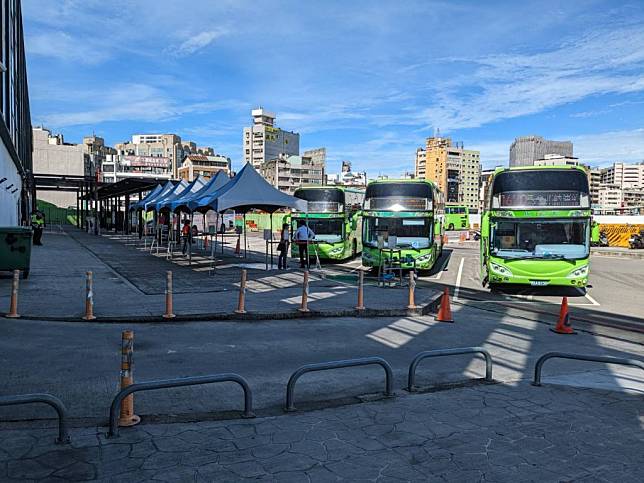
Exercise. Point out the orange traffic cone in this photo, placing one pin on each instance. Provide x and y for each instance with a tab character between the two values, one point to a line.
461	237
237	248
563	324
445	311
444	239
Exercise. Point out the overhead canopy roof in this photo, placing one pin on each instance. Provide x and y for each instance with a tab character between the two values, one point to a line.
188	203
62	182
192	187
246	191
126	186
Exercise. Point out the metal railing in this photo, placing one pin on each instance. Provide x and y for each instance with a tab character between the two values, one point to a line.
411	378
53	401
323	366
180	382
580	357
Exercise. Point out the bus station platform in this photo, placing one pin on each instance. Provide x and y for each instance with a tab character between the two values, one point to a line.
129	284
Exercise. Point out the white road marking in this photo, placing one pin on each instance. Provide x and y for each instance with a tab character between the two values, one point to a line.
592	300
458	279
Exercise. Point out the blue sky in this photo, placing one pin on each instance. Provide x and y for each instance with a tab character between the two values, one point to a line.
368	80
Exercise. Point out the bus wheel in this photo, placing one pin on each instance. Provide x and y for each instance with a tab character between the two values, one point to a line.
494	288
354	249
451	226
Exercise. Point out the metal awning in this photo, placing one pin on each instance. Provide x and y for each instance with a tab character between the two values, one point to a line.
62	182
127	186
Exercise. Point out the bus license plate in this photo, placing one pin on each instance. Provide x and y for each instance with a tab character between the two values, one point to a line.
538	283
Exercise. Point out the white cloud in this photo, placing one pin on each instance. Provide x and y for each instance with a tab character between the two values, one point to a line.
63	46
198	42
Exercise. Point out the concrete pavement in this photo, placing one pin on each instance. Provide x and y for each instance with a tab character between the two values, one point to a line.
497	433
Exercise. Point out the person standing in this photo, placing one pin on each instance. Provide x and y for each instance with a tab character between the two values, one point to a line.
303	236
282	247
185	234
38	224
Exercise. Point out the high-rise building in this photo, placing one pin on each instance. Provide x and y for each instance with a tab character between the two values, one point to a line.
594	180
263	141
525	150
287	173
17	191
626	176
455	170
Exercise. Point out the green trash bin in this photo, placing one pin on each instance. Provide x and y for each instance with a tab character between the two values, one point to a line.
15	248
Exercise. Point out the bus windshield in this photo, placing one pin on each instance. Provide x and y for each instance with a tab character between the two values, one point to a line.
409	232
398	197
544	239
329	230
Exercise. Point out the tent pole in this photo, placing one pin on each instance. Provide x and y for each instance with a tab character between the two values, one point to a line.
245	244
271	240
190	241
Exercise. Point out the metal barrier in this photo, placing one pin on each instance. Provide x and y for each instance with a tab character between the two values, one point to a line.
448	352
53	401
323	366
580	357
184	381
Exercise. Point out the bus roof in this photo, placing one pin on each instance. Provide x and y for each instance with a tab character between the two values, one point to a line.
535	168
332	187
386	181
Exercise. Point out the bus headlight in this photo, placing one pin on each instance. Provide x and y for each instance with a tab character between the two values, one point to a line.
500	269
424	258
336	251
579	272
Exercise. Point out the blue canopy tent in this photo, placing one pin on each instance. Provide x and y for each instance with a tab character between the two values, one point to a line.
152	194
187	201
177	189
145	205
188	189
246	191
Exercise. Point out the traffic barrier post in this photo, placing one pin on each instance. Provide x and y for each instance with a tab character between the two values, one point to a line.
53	401
304	306
412	289
169	313
241	305
127	416
360	305
13	304
89	297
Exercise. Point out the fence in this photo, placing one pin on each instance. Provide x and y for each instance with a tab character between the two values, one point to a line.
411	377
580	357
323	366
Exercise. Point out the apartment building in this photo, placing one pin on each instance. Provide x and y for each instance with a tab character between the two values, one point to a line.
455	170
287	173
207	166
626	176
17	190
348	177
595	182
117	167
264	141
525	150
557	160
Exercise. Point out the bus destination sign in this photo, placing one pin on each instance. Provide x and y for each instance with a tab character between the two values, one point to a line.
540	199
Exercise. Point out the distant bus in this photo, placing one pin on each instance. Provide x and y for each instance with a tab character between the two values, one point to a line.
411	211
457	217
334	216
535	228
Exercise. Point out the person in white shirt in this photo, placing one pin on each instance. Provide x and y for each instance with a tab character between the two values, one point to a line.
302	237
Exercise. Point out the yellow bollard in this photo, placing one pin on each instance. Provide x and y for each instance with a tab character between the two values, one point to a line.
360	305
242	294
168	296
127	416
89	297
304	307
13	304
412	289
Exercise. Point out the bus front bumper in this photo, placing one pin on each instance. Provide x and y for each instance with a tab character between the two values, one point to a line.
564	276
408	261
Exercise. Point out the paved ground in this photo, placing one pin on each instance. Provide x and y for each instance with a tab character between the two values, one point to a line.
584	424
129	281
482	433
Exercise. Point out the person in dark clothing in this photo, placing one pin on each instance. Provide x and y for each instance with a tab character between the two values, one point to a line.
303	236
282	247
185	234
38	225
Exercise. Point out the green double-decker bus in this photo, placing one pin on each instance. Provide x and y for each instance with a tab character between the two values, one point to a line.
535	228
334	216
457	217
402	219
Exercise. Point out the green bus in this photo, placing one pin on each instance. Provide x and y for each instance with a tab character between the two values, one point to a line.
334	216
457	217
402	219
535	228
